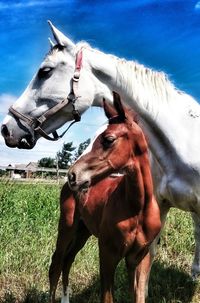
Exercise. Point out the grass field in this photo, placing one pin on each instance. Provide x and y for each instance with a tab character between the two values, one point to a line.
28	229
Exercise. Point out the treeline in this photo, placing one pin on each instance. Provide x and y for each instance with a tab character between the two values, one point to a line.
65	157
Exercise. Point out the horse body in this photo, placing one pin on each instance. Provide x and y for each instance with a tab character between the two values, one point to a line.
175	148
121	211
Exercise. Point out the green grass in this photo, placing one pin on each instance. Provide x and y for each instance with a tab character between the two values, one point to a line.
28	229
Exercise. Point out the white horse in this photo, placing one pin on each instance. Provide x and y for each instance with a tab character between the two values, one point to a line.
56	95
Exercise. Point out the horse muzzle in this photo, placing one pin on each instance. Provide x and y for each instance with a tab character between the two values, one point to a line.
21	140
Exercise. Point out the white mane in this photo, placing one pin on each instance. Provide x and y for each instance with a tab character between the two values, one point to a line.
144	74
153	88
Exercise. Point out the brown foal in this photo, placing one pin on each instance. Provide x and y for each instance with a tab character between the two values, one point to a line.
120	211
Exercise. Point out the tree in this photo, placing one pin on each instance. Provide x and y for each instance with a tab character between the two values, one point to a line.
65	156
3	172
81	148
47	162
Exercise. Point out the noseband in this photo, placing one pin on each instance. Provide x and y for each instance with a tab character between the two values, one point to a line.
37	123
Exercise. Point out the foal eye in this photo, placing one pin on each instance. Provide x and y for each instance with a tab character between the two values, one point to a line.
45	72
108	141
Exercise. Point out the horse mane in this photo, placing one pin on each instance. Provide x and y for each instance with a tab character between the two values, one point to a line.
147	76
140	83
134	75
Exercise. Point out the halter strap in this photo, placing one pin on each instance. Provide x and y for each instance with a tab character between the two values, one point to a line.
73	95
36	123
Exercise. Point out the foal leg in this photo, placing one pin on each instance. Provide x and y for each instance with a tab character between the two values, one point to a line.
66	231
108	264
138	277
196	261
81	236
64	242
164	209
142	271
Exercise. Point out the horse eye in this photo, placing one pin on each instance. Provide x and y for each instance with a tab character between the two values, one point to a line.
45	72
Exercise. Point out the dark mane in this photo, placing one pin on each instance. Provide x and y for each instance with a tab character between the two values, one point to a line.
56	47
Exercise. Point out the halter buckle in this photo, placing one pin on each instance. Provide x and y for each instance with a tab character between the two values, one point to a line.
76	114
76	76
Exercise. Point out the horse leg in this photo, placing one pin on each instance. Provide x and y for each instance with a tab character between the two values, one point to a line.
108	264
81	236
196	262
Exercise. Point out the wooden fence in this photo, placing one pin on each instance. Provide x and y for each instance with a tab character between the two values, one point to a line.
27	172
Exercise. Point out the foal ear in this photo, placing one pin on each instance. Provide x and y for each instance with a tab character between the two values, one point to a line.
109	109
118	106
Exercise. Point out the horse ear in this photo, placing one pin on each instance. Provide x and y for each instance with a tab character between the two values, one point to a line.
118	106
60	38
109	109
51	43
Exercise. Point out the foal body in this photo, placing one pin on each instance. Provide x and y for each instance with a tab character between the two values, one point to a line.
76	225
125	225
104	211
122	212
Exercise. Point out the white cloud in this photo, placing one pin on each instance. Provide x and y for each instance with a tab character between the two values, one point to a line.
42	149
6	100
197	5
27	4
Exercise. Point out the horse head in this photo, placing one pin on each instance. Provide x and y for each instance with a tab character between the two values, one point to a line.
53	97
114	150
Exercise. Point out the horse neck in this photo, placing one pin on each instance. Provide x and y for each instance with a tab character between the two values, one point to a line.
151	95
160	145
140	87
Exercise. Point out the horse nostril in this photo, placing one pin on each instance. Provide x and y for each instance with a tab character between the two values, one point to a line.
4	131
72	178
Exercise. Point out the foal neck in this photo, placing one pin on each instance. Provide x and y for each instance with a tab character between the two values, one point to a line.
138	182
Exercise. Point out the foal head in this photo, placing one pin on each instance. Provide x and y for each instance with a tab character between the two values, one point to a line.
114	150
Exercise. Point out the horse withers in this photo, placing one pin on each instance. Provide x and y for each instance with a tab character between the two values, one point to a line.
122	212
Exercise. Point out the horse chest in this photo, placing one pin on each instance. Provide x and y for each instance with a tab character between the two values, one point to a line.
181	191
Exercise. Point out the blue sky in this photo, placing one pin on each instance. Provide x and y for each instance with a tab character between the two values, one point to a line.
162	34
